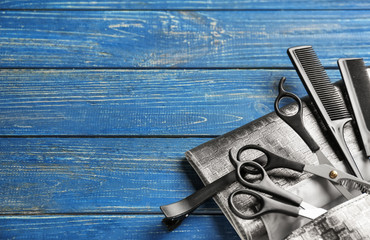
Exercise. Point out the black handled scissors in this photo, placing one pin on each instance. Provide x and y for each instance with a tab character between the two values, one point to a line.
284	202
269	161
295	121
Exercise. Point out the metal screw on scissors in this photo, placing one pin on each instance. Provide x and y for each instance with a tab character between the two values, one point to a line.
284	202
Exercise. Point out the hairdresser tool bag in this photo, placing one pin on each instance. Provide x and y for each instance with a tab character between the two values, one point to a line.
345	219
348	209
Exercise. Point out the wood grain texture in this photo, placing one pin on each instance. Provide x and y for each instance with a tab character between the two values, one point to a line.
137	102
178	39
113	227
96	175
188	4
83	153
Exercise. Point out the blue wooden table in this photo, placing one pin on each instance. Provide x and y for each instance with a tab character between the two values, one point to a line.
100	100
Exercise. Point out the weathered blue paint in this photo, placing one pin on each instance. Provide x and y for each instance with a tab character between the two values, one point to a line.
98	175
118	226
133	102
178	39
92	153
186	4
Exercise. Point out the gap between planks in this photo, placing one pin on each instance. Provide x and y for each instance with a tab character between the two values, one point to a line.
109	136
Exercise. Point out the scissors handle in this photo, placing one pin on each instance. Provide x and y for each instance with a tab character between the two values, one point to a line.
271	161
295	120
264	183
264	205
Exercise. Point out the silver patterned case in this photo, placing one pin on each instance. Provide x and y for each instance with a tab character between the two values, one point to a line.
349	220
210	160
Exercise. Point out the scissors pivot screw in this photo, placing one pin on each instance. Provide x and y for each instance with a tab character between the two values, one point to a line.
333	174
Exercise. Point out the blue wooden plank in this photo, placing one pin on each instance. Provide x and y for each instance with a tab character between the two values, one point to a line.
96	175
133	102
187	4
181	39
112	227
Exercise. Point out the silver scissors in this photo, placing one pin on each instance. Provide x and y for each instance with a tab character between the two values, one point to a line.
282	202
269	161
295	121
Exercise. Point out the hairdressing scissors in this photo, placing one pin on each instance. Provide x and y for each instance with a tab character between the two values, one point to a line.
269	161
283	202
295	121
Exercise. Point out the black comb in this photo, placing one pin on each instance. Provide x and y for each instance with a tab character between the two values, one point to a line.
325	96
357	83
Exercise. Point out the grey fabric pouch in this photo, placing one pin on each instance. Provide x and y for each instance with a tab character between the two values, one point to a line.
211	161
349	220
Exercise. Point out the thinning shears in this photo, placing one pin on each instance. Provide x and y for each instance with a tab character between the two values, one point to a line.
283	202
295	121
269	161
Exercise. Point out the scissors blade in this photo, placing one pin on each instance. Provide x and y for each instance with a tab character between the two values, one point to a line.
337	176
312	213
323	160
307	206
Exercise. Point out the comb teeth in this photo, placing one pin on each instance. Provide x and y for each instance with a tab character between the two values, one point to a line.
354	185
328	94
